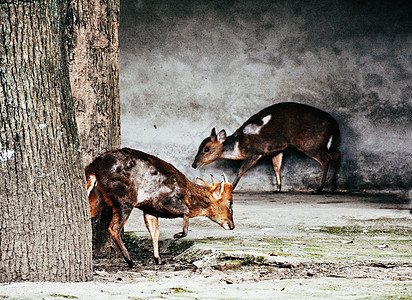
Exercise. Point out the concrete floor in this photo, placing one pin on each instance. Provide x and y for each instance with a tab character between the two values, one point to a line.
340	246
284	214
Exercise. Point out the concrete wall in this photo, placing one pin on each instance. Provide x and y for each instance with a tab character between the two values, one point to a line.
188	66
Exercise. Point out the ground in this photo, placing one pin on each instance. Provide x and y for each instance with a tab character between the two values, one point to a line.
295	245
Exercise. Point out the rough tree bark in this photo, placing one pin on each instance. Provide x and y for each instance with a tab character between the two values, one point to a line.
45	232
93	53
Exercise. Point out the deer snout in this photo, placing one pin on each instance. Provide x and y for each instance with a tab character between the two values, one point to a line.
197	163
229	225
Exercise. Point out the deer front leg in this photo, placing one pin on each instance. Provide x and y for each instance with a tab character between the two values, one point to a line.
185	230
277	163
152	225
248	163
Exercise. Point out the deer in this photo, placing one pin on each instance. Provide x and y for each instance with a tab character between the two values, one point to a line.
269	132
127	178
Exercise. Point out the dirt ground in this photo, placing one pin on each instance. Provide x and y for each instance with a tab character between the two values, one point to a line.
295	245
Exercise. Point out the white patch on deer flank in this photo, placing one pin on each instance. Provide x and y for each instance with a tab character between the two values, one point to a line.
255	129
329	143
5	155
150	192
141	195
164	190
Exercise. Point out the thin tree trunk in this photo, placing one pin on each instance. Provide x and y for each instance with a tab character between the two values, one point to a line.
45	232
93	52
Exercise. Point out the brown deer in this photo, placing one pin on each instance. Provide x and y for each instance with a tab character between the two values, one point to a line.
127	178
271	131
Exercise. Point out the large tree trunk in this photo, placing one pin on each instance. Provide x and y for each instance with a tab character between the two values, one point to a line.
93	51
45	232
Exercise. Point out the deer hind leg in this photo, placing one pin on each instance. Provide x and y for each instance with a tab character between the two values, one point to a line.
323	158
277	163
115	229
96	202
336	161
152	225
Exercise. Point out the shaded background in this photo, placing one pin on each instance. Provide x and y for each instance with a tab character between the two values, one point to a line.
189	66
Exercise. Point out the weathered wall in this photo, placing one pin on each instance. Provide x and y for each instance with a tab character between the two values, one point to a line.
188	66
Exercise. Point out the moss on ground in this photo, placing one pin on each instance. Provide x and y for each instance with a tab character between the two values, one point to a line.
332	243
328	243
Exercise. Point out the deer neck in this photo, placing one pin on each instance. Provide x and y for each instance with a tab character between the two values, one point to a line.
232	149
199	200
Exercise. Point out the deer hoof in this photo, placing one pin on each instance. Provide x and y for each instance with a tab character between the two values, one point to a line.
130	264
318	191
179	235
158	261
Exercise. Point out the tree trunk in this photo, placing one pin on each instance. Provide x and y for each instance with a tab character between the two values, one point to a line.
45	232
93	52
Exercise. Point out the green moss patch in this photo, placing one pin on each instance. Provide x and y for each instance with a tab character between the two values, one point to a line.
179	290
179	246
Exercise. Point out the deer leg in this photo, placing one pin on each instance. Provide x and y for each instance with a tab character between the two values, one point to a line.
277	163
115	228
152	225
336	160
324	159
248	163
96	202
185	230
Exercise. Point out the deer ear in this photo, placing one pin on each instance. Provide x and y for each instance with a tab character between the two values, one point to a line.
200	181
222	136
218	191
213	135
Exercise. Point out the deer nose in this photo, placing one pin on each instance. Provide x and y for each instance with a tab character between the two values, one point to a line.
229	225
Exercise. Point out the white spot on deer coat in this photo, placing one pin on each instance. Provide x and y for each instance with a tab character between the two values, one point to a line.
164	190
141	195
147	192
5	155
255	129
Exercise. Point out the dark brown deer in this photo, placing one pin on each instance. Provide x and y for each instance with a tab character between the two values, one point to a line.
127	178
271	131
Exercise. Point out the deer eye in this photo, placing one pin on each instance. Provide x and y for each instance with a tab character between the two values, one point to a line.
206	149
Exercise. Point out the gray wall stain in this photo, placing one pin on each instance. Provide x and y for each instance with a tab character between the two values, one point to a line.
189	66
